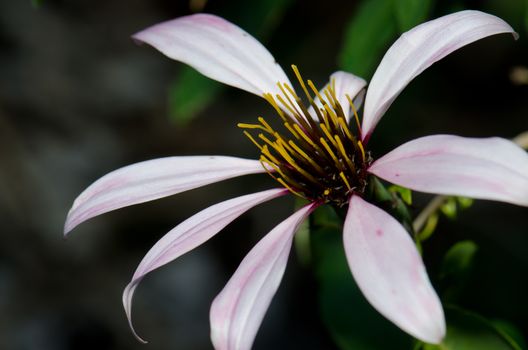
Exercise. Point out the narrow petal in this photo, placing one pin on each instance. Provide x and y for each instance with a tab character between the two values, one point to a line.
389	271
189	234
238	311
490	168
219	50
345	84
153	179
417	49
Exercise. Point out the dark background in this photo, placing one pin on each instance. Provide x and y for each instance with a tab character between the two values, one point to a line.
78	99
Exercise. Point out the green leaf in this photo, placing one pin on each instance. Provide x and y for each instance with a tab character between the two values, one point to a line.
458	260
410	13
464	202
351	321
469	331
367	36
302	237
429	228
456	268
449	208
405	193
36	3
190	94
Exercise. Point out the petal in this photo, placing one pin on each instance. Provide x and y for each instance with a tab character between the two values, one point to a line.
237	312
490	168
389	271
345	84
190	234
153	179
417	49
219	50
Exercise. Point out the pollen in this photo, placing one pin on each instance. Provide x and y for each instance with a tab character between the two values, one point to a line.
313	152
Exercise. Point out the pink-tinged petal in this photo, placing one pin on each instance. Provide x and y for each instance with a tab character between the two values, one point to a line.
417	49
219	50
490	168
389	271
238	311
189	234
345	84
153	179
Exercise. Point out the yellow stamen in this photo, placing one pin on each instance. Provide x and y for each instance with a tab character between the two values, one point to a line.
356	117
345	180
341	149
292	162
362	150
326	192
328	135
331	153
273	103
283	183
253	126
267	153
301	81
266	125
248	135
344	127
293	132
305	156
306	138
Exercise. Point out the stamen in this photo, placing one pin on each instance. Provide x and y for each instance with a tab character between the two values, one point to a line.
266	125
362	150
254	126
331	153
248	135
341	149
290	189
307	157
288	126
301	81
356	117
271	101
344	127
345	180
328	135
306	138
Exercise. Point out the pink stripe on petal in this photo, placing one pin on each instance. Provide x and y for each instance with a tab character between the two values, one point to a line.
490	168
238	311
389	271
219	50
419	48
189	234
345	84
153	179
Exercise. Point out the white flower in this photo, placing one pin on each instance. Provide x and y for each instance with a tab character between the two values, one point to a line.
321	160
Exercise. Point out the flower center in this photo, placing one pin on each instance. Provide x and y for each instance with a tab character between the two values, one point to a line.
316	156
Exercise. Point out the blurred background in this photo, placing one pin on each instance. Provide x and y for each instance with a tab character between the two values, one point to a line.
78	99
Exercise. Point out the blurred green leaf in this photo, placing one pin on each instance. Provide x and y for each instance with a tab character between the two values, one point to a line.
510	331
36	3
367	36
429	227
449	208
464	202
191	92
469	331
350	319
405	193
302	237
458	260
410	13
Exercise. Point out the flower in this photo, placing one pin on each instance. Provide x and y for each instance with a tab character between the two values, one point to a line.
324	159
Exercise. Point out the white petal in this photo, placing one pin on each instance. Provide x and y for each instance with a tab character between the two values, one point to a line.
417	49
219	50
153	179
191	233
490	168
237	312
389	271
345	84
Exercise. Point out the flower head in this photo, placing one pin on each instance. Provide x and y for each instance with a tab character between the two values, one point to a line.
319	152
